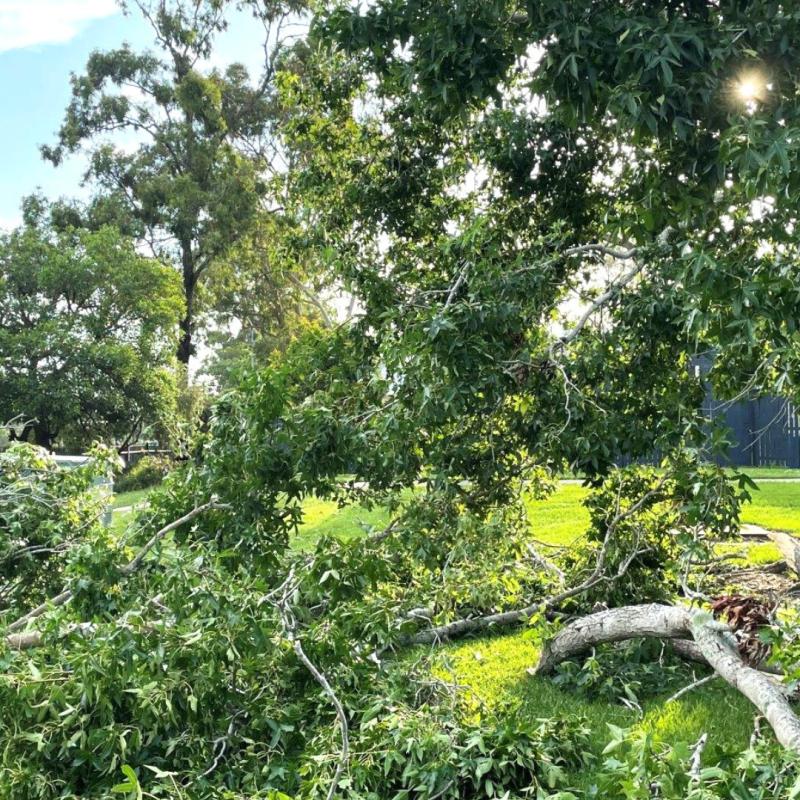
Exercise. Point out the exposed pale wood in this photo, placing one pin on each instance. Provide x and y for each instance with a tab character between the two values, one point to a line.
712	639
789	547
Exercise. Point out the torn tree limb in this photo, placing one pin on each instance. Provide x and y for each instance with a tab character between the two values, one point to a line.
461	627
768	698
789	547
616	625
689	651
712	639
30	639
597	576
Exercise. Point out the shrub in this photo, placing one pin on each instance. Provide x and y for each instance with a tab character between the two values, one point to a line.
146	472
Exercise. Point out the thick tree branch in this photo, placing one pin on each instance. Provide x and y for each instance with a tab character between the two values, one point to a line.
613	291
713	640
313	299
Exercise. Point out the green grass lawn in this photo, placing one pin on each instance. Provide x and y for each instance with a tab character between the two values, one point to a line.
135	498
324	517
494	667
562	518
776	506
757	473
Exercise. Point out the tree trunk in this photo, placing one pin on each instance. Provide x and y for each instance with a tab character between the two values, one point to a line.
616	625
186	348
42	437
712	639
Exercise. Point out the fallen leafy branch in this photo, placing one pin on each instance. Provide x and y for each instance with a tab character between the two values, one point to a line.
713	639
462	627
29	639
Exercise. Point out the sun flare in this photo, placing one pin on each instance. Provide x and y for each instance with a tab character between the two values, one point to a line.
749	89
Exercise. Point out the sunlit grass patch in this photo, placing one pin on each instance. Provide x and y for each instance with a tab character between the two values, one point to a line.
775	506
492	676
325	518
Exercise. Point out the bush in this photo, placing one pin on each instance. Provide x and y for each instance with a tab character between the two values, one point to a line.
146	472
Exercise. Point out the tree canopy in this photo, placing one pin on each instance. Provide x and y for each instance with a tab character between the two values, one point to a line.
196	179
87	333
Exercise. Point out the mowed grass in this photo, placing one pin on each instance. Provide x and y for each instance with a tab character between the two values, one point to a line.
135	498
493	668
325	518
775	506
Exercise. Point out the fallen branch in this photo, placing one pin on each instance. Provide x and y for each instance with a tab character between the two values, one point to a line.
462	627
697	756
789	547
713	639
689	651
692	686
281	599
33	638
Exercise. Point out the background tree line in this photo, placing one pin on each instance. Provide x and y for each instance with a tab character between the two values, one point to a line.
200	192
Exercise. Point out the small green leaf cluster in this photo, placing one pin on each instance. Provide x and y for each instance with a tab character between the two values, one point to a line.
631	671
639	767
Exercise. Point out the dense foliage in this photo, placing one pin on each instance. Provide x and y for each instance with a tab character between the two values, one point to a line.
146	472
87	333
544	213
47	514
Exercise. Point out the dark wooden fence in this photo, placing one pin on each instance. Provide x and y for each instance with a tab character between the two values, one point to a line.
766	431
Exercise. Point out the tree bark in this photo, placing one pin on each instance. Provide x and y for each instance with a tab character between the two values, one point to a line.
712	640
789	547
186	348
616	625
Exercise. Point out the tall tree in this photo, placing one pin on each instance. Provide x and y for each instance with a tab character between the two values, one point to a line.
88	328
197	177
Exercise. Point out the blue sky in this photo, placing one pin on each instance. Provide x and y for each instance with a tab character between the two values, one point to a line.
41	43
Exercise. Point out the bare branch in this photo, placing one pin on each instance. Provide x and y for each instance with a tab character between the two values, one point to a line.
313	299
613	291
465	626
281	599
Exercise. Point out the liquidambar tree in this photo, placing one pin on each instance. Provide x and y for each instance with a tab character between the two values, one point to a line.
544	211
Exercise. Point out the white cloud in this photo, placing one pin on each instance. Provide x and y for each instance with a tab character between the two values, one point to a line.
24	23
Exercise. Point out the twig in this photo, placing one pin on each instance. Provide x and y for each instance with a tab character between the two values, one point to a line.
756	734
136	562
694	771
456	286
691	686
464	626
